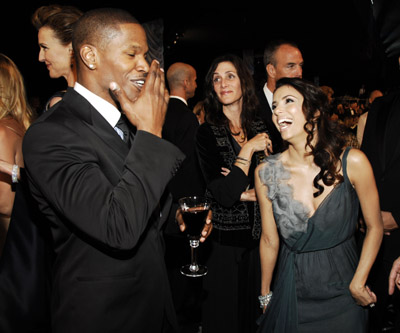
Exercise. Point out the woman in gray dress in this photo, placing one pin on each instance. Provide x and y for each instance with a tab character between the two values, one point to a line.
309	198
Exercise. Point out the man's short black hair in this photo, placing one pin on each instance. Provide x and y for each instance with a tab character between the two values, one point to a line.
98	26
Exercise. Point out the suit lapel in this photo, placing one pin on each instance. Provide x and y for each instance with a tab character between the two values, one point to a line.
96	123
107	134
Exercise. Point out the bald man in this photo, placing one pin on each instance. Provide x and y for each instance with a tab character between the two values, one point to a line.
180	128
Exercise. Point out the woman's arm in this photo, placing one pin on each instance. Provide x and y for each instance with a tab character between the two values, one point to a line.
226	187
13	170
261	142
361	176
7	158
7	168
269	242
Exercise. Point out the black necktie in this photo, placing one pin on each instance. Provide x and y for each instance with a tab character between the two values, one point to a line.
123	126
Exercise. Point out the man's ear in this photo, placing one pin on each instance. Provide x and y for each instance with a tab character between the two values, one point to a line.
185	84
89	56
271	71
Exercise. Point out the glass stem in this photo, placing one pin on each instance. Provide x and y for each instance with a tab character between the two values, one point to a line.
194	244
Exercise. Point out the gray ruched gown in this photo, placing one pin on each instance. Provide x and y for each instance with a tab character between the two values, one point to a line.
317	259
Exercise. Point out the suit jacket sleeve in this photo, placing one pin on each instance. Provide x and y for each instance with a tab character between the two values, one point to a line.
66	176
226	190
381	145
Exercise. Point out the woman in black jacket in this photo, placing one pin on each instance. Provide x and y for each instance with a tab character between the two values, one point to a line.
230	144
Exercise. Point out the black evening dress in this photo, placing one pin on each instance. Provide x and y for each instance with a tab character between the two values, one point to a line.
317	260
25	268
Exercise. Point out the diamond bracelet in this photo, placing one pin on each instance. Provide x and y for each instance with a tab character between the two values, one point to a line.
14	173
265	299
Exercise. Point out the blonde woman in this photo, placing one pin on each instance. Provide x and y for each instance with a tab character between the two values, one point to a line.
24	286
15	118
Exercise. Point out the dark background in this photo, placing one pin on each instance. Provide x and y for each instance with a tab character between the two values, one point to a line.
334	36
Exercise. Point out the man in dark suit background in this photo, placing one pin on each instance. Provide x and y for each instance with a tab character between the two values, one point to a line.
381	144
180	128
281	59
103	198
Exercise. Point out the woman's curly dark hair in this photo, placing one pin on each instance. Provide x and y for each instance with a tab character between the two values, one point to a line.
330	134
213	107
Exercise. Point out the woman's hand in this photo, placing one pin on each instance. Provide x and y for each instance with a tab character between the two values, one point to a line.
249	195
394	278
206	229
362	294
389	223
261	142
225	171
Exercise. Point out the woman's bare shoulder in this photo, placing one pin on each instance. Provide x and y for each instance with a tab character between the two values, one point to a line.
10	127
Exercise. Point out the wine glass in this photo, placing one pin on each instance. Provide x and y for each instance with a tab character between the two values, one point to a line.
194	212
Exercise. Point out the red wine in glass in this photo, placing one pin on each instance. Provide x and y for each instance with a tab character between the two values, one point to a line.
194	213
195	218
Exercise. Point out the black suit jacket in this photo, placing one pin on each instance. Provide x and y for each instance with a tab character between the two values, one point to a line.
102	202
265	113
381	144
180	128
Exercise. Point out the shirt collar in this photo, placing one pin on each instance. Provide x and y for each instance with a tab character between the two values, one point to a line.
269	95
110	113
180	98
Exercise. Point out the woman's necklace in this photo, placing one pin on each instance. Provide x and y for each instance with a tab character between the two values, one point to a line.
240	133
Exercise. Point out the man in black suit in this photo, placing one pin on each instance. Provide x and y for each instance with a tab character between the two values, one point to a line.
281	59
381	144
180	128
103	198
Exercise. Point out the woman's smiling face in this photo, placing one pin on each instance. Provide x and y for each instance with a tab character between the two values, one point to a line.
288	114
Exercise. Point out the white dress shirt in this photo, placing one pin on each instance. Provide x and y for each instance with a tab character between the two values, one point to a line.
268	93
180	98
110	113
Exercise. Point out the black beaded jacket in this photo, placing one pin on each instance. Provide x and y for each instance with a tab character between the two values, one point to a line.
217	148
